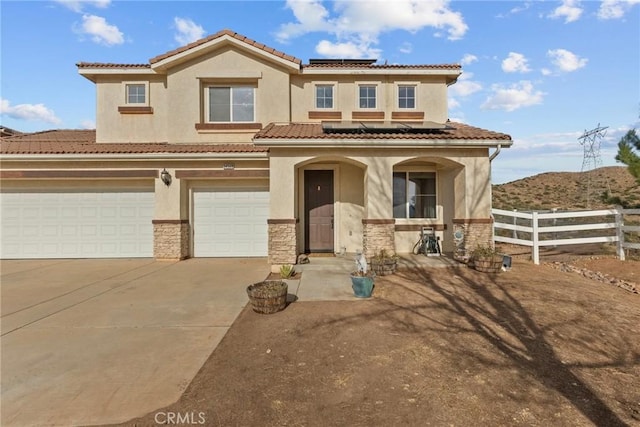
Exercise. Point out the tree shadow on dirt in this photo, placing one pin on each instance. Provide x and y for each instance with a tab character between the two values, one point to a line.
480	305
493	314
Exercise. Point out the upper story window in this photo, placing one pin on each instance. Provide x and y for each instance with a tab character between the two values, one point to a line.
414	195
407	96
324	96
136	93
367	96
230	103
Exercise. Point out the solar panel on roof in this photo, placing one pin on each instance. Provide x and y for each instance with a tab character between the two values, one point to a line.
387	126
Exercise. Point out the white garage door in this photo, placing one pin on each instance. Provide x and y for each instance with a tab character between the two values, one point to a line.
77	225
230	223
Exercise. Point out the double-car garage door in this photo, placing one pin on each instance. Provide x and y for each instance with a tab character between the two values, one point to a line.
77	224
118	224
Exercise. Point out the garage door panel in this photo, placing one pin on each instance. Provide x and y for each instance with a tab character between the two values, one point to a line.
230	223
91	224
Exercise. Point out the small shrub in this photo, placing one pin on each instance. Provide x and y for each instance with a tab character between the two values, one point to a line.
287	271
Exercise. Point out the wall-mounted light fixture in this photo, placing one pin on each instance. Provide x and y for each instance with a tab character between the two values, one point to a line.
165	176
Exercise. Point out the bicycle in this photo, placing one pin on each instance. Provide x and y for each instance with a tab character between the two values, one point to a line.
428	244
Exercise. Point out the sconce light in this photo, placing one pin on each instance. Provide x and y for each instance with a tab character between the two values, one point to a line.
165	176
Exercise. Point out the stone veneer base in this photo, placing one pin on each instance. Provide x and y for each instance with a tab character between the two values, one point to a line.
282	241
170	239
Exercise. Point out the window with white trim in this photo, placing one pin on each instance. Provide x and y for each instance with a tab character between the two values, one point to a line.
324	96
407	96
136	93
367	97
230	104
414	195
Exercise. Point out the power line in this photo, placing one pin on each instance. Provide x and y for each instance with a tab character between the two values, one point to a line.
591	141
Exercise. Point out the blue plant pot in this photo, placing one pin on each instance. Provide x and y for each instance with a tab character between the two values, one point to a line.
362	286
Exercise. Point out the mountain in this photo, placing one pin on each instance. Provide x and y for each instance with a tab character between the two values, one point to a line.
569	190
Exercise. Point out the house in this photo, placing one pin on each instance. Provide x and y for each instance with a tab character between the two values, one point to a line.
226	147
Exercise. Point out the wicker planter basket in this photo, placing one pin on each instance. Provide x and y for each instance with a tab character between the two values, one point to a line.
488	264
268	297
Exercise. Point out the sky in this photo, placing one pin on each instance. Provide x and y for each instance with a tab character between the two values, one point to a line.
544	72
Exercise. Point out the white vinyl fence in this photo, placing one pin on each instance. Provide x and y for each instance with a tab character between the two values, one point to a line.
536	229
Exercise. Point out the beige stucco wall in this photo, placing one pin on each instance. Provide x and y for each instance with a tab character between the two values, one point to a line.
431	95
365	188
177	99
113	126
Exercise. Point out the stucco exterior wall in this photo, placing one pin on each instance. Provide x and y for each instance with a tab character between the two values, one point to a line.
186	84
114	126
431	95
462	180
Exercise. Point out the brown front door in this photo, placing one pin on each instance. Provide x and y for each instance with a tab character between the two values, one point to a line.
318	207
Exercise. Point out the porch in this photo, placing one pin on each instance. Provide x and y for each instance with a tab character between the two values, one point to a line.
326	278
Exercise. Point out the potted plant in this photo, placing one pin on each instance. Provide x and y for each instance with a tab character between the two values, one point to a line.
362	278
486	259
383	263
268	296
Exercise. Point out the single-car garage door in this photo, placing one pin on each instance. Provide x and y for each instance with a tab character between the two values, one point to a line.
230	223
88	224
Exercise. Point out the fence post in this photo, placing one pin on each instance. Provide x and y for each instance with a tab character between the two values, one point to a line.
620	233
534	238
515	222
555	222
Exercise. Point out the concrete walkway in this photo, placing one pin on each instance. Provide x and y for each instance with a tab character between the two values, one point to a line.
102	341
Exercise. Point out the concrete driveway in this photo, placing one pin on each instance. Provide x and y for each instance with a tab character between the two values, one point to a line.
103	341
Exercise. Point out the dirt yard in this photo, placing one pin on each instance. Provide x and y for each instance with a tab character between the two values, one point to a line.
532	346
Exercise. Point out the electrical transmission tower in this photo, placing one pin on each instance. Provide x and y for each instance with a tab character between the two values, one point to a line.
591	141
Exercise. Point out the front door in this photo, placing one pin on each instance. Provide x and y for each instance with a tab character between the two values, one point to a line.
318	208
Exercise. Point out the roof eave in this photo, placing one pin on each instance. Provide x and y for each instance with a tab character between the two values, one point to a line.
94	72
136	156
376	143
450	73
178	58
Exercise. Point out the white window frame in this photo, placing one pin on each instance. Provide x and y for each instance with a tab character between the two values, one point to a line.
125	91
230	86
376	97
415	95
407	170
334	85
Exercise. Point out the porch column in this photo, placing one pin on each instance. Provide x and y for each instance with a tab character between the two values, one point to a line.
282	222
171	229
473	224
379	224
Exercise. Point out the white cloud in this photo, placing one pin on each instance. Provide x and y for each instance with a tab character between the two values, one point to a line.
100	31
615	9
570	10
515	63
513	97
465	86
78	5
87	124
546	72
31	112
187	30
515	10
361	22
565	60
347	50
468	59
406	47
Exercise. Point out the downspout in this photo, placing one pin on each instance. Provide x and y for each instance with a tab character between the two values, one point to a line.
495	153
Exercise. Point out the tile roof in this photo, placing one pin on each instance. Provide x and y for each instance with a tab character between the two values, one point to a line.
220	34
314	131
83	142
385	66
110	65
